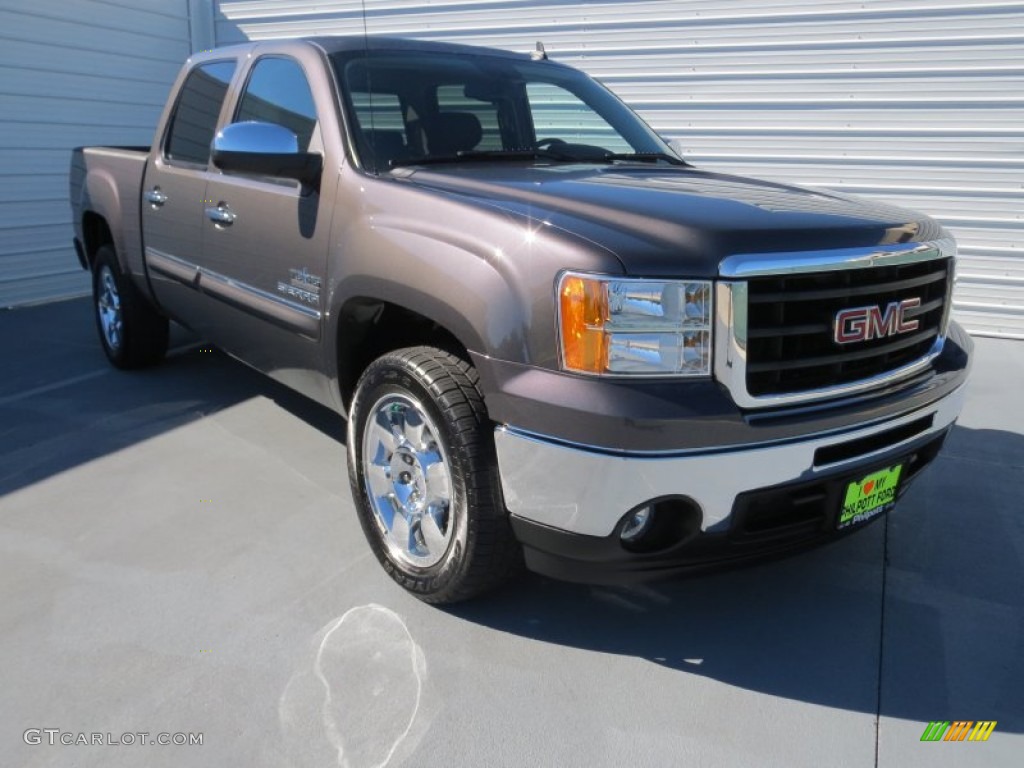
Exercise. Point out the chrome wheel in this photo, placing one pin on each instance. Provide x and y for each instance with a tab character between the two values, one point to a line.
108	304
408	481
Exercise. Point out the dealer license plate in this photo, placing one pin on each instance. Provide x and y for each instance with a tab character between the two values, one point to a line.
870	496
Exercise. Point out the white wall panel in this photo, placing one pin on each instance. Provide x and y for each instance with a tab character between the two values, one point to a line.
72	72
917	102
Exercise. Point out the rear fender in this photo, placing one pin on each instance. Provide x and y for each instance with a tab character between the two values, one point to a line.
100	196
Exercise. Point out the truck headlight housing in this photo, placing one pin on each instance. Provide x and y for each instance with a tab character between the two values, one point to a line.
618	327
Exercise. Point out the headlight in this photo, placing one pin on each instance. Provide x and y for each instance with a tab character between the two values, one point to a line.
635	327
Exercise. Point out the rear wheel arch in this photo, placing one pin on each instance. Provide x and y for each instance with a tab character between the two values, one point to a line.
96	233
100	201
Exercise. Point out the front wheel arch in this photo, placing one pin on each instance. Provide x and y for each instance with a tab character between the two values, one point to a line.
369	327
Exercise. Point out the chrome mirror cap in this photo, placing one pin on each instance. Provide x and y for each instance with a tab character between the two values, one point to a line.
265	149
256	137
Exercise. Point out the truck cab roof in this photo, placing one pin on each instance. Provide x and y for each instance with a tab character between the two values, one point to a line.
330	44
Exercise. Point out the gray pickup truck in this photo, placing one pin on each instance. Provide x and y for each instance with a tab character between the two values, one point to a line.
555	342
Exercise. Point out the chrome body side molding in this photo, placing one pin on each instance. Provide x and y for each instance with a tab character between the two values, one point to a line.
274	309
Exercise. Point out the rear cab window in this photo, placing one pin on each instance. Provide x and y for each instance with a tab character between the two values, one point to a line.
382	121
561	114
194	121
453	98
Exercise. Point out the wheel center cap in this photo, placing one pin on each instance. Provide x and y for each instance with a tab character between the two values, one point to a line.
407	477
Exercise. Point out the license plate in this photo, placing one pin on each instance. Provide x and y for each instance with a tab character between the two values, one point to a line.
870	496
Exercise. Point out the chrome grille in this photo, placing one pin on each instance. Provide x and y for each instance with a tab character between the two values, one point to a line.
790	325
775	316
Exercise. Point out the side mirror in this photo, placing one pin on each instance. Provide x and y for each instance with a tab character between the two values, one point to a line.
678	147
265	149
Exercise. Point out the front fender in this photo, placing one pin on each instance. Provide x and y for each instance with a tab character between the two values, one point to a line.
448	289
484	274
481	293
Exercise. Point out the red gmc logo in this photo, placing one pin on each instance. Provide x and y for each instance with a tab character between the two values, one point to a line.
866	323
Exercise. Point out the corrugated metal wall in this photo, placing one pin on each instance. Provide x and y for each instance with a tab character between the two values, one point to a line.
72	72
919	102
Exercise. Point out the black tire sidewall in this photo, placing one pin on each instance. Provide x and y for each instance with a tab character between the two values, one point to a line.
105	257
144	331
388	376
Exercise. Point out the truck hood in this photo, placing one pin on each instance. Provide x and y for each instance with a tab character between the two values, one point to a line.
664	220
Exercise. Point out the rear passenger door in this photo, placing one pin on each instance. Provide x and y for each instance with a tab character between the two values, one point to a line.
175	187
264	268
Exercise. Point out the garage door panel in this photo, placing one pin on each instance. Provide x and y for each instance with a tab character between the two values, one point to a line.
72	74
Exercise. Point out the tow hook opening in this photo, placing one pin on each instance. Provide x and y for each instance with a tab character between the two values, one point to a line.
659	524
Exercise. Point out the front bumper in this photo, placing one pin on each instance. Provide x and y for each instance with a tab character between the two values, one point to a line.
567	501
587	492
767	523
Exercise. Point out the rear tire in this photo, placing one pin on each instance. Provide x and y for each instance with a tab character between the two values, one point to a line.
425	479
133	334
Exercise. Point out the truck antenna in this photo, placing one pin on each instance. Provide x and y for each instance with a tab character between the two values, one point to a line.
539	54
369	88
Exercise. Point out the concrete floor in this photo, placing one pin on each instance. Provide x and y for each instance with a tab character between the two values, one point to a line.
179	553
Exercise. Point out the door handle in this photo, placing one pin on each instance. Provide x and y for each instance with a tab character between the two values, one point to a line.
155	197
221	215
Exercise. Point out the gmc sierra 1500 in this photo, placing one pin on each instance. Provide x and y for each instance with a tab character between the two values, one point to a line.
552	338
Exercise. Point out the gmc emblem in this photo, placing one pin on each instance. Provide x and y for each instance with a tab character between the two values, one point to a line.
866	323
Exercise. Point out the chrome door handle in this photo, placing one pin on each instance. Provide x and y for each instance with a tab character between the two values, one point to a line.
156	197
221	215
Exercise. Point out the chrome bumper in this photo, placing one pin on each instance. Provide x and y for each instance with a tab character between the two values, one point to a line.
586	491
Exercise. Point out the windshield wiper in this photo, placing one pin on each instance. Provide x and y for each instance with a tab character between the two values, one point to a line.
646	157
489	154
569	156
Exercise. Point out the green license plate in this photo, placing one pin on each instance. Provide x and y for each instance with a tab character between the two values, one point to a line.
870	496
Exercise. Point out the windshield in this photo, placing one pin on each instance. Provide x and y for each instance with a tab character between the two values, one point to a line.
408	106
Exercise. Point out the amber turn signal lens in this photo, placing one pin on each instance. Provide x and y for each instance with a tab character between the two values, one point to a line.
617	326
584	313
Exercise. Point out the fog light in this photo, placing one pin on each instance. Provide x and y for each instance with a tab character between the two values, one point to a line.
637	524
660	524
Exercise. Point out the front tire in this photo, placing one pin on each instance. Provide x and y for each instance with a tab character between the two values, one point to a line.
132	332
424	476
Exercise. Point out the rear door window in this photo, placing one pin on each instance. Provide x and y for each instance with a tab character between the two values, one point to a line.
195	115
